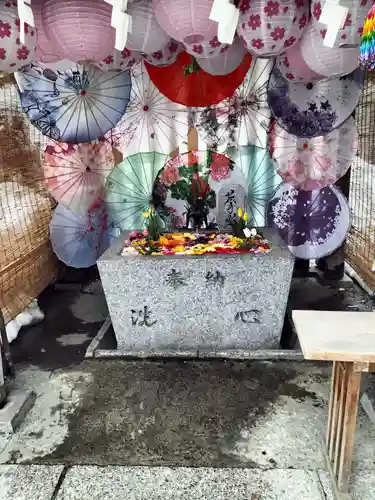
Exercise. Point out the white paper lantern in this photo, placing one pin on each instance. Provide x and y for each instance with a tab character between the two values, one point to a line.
269	27
207	48
350	34
146	35
119	60
13	54
166	56
186	21
226	62
311	60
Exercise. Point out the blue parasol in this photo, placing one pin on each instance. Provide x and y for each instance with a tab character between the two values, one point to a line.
78	240
76	105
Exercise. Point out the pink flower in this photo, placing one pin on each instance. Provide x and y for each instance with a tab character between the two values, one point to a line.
126	53
348	21
257	43
108	60
363	3
317	11
145	233
220	168
299	4
290	76
169	175
172	47
302	21
158	55
297	169
5	29
224	49
23	53
323	33
215	42
272	8
3	53
278	33
289	41
254	21
286	60
25	26
198	49
244	6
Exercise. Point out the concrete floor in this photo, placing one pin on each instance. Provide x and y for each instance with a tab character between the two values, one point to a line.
172	429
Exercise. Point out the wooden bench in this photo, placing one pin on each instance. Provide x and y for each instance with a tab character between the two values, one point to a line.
348	340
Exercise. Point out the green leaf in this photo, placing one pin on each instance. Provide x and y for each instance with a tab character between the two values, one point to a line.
180	190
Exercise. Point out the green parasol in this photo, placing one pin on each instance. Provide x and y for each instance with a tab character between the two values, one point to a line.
130	189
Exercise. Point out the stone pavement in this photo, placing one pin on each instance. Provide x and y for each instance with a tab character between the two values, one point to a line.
190	430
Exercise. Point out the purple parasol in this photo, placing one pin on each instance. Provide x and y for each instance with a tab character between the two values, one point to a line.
315	108
312	223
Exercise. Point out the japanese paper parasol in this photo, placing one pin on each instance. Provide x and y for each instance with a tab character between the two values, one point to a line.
314	163
186	184
186	83
316	108
77	105
129	189
75	174
243	118
261	180
151	122
79	240
312	223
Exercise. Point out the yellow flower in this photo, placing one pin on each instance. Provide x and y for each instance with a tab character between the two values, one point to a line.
146	214
245	216
179	249
240	212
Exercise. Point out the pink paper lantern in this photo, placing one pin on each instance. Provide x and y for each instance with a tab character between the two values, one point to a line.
207	48
351	32
45	51
269	27
13	54
119	60
166	56
146	35
226	62
311	60
187	22
80	30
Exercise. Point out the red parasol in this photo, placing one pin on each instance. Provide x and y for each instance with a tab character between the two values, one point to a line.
186	83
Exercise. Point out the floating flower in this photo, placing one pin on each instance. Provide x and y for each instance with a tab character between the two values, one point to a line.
240	212
220	168
245	216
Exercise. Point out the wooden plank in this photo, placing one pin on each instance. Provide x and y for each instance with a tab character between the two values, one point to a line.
344	377
336	493
349	428
335	412
336	335
332	400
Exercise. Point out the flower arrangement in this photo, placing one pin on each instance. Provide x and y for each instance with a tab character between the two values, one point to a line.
195	244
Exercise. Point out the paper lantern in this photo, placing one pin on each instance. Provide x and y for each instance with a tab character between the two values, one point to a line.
119	60
351	32
79	30
187	22
45	51
311	60
166	56
269	27
185	83
146	34
207	48
226	62
13	54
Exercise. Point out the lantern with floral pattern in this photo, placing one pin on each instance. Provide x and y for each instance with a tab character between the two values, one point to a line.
350	33
311	60
166	56
226	62
269	27
119	60
13	54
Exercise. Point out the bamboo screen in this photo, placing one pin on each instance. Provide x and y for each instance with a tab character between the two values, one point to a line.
360	246
27	263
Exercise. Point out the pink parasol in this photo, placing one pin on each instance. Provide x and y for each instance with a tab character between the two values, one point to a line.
309	164
75	174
